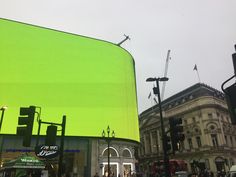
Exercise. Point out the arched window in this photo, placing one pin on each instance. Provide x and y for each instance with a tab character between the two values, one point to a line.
126	153
212	127
113	152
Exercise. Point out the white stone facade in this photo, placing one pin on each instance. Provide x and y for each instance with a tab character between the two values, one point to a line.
210	138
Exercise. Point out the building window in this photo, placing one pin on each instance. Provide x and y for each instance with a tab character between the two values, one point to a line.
214	140
198	139
147	144
227	119
222	118
190	143
181	146
126	153
185	122
226	140
210	116
154	142
194	119
212	127
113	152
142	149
231	141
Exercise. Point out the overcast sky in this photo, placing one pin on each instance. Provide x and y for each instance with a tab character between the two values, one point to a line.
201	32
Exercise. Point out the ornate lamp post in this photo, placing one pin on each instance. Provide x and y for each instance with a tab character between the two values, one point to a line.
108	140
156	91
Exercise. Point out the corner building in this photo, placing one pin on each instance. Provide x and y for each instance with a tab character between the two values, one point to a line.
82	156
210	138
90	81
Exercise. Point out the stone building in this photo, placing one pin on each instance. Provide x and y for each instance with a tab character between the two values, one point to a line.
210	138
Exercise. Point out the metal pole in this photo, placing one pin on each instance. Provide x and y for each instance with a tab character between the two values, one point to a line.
39	127
222	85
3	110
108	150
62	146
108	158
166	158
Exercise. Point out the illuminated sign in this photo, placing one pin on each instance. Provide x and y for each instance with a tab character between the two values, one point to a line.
90	81
44	151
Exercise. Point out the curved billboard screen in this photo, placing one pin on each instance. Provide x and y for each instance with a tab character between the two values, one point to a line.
90	81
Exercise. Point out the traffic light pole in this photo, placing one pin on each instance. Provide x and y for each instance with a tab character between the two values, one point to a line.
62	146
165	157
222	85
63	125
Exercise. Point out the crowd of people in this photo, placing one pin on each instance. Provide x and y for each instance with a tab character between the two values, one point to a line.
203	173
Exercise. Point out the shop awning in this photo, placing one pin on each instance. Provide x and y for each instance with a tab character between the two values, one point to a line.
25	161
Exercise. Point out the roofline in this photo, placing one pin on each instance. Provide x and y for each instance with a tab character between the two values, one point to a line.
186	91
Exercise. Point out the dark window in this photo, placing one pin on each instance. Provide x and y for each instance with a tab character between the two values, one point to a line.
199	143
214	140
190	143
210	116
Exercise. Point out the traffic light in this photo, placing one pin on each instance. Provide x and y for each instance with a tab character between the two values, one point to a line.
25	122
167	143
234	60
51	135
230	95
176	132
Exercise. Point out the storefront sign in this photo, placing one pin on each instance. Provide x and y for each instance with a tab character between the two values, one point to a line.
44	151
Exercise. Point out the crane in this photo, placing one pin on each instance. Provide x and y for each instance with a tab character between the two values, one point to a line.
126	38
165	74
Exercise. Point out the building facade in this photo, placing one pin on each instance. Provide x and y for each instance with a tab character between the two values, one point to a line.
82	157
210	138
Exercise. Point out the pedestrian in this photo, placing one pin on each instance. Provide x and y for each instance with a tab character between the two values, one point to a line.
96	174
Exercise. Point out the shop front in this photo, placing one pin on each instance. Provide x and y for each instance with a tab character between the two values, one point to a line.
24	165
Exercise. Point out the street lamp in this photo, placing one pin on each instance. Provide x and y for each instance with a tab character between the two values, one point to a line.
108	140
156	91
2	115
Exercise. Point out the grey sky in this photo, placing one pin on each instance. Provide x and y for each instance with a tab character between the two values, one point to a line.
201	32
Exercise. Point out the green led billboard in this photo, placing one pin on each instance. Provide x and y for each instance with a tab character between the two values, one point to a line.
90	81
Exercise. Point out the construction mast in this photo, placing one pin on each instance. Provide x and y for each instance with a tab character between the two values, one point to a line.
165	74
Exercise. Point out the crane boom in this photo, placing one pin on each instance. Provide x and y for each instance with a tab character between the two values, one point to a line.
126	38
165	74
